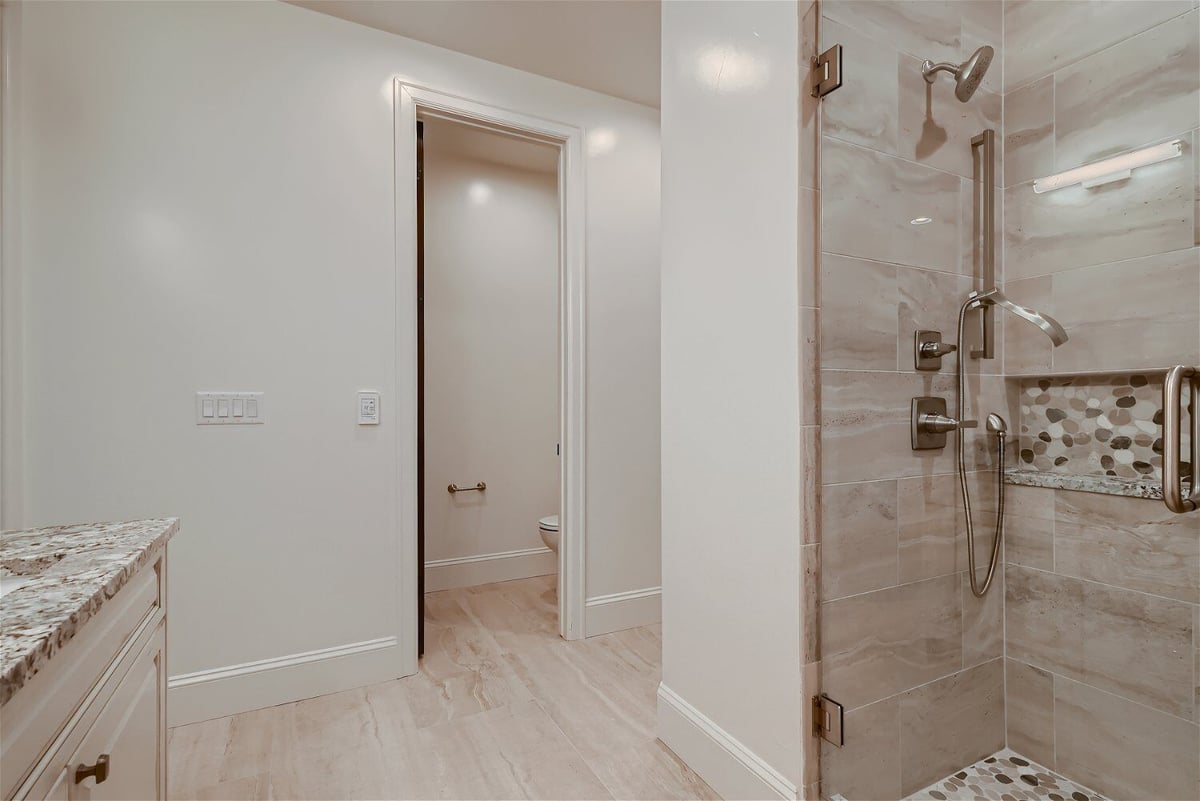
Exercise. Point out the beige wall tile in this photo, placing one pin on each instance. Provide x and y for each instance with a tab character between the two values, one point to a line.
1041	37
1029	527
1139	91
809	241
1135	314
867	766
858	314
869	200
1123	749
810	366
858	532
1043	626
983	620
923	28
1137	646
810	593
935	128
1029	132
950	723
1027	351
1128	643
1148	213
983	24
928	300
1128	542
1196	192
928	527
866	110
868	413
883	642
811	745
1029	698
810	486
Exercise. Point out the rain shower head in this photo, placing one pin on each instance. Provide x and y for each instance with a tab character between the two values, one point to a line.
1049	326
967	75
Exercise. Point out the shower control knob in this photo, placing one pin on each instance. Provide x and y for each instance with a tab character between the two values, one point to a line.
931	424
936	350
941	424
928	350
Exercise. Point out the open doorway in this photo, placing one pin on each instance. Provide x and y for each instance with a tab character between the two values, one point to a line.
488	362
493	279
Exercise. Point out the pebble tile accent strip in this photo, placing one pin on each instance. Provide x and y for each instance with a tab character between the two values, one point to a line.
1005	776
1108	425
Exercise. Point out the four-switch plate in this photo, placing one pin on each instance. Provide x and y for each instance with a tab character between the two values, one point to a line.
229	409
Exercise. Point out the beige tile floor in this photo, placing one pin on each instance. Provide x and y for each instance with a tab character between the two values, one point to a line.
502	708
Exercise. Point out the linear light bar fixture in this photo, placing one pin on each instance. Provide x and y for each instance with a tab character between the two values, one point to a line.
1110	169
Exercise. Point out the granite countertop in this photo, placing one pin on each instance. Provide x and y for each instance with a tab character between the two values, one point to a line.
1104	485
56	578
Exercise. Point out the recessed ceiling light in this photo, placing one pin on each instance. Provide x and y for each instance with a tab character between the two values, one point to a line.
921	221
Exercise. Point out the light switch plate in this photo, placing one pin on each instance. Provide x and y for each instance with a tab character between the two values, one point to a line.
229	409
368	407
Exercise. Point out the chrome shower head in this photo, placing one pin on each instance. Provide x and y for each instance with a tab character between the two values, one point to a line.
1050	327
967	75
996	425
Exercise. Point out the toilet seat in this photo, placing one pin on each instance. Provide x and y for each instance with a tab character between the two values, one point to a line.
548	523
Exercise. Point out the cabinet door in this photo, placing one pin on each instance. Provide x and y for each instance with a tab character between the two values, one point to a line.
58	791
129	731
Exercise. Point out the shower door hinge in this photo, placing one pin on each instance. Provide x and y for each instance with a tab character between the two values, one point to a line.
827	719
827	71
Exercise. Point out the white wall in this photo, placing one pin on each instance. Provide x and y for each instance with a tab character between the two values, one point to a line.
207	203
491	364
732	701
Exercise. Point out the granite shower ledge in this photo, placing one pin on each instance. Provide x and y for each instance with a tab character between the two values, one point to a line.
1104	485
63	576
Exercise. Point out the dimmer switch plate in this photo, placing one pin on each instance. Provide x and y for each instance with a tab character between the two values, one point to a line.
368	408
229	409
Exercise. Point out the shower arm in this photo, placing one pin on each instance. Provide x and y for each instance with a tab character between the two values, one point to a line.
930	69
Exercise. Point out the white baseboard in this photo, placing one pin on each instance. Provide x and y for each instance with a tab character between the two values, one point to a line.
218	692
622	610
486	568
729	767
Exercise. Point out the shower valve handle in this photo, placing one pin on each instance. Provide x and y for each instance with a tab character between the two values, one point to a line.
936	350
941	424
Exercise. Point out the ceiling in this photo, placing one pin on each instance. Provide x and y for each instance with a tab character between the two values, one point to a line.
468	141
610	46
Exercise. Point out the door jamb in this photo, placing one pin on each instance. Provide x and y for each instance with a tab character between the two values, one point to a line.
409	100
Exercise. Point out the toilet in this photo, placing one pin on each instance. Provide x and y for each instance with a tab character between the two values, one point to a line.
548	528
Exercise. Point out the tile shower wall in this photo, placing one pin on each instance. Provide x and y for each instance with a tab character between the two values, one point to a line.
1102	602
915	658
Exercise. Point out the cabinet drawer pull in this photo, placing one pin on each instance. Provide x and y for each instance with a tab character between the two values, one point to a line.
99	770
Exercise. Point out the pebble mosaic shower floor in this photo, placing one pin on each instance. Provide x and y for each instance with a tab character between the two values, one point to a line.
1005	776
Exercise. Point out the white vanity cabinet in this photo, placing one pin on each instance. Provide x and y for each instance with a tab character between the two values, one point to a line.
92	723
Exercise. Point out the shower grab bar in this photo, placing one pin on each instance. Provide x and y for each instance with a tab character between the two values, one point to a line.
453	488
1173	493
987	262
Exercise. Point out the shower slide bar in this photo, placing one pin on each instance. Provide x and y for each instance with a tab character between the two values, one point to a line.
1173	491
983	157
453	488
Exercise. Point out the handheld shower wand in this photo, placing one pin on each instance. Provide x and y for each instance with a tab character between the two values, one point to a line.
995	425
